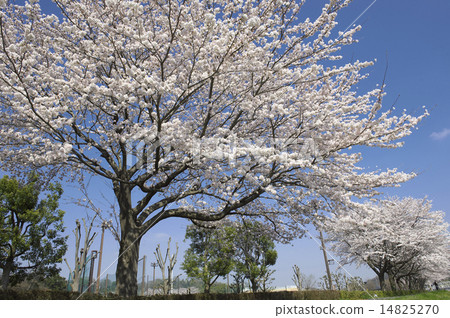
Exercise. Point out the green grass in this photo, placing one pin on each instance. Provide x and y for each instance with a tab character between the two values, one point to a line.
375	294
432	295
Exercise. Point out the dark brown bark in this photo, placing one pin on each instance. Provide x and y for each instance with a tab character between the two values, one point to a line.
9	263
382	281
254	284
127	265
392	282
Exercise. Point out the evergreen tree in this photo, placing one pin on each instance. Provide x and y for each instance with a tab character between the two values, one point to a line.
210	254
30	240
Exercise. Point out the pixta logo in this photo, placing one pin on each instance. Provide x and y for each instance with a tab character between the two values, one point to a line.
225	150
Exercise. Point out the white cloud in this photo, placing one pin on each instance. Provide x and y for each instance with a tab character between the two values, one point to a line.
441	135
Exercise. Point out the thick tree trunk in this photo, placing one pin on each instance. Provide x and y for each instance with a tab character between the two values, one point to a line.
76	283
6	273
393	283
127	265
381	281
130	239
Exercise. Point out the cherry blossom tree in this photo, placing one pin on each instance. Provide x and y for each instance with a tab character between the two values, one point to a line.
192	109
402	238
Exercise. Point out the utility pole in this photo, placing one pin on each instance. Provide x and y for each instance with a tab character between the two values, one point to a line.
99	270
143	275
330	282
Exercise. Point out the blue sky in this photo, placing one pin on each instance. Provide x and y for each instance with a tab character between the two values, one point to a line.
412	37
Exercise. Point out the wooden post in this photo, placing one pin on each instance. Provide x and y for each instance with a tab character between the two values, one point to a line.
154	268
83	269
91	270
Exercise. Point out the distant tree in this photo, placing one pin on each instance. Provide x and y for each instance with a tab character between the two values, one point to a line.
342	282
218	288
30	240
55	282
354	283
324	283
401	238
167	283
297	277
266	280
255	253
210	254
81	254
239	280
309	282
40	282
339	280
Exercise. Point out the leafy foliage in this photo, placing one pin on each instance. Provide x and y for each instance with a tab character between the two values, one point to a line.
30	240
255	253
56	282
242	249
210	254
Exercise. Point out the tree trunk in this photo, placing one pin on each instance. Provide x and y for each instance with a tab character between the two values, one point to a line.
130	239
381	281
393	283
75	282
6	272
254	283
127	265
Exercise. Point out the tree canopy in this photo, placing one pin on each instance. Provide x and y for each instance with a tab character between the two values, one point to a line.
402	238
210	254
192	109
30	230
242	248
255	253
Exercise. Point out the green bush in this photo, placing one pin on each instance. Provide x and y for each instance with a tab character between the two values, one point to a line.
10	294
